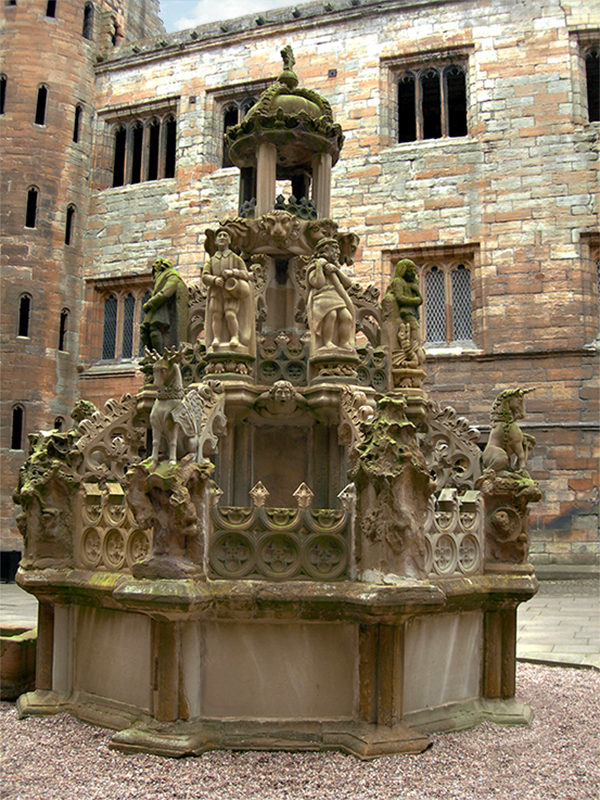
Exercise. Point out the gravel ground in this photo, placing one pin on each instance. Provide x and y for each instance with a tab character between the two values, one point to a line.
59	758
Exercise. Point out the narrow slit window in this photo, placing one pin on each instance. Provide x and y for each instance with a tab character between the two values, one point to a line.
119	162
456	87
24	315
109	332
136	155
77	123
128	315
435	307
592	75
16	433
69	224
88	21
407	118
230	118
170	147
51	8
462	330
63	330
31	211
153	150
3	82
58	423
40	109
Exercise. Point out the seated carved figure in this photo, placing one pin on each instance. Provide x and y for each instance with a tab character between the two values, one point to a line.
508	447
331	313
230	321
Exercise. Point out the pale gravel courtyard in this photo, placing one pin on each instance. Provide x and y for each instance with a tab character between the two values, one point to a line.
60	758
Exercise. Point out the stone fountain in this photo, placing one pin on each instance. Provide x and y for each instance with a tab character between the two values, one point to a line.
279	542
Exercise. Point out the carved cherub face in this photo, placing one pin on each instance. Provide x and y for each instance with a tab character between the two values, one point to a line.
282	392
222	240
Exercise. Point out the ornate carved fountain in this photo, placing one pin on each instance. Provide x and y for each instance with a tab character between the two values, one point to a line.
308	554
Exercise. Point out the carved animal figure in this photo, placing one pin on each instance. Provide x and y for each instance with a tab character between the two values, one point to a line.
176	416
508	447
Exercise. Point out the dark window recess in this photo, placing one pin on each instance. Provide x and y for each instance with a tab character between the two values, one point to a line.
77	123
31	212
11	2
153	150
3	82
69	224
136	155
16	433
120	150
109	332
24	315
40	109
456	93
58	423
432	107
88	21
592	75
51	8
230	118
128	312
170	147
64	327
407	119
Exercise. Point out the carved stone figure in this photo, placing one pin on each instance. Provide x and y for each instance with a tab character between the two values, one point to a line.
393	488
170	501
508	447
166	312
48	482
401	331
230	309
331	314
281	400
177	416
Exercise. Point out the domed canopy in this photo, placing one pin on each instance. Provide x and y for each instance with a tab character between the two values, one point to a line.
298	121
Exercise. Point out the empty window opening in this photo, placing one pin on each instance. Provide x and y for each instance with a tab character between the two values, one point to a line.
11	2
592	75
456	93
153	150
64	327
88	21
120	150
16	433
3	82
432	109
51	8
24	315
407	127
128	316
170	147
77	123
230	118
31	212
462	330
136	155
69	224
109	332
58	423
40	109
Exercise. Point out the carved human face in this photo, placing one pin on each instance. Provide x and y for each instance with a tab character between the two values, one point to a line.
283	393
222	240
333	254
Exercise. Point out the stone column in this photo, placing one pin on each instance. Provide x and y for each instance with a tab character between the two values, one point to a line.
265	178
321	187
45	647
500	646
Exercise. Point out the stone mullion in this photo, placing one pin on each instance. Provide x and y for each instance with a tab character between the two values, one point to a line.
419	106
137	313
444	102
145	151
162	148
